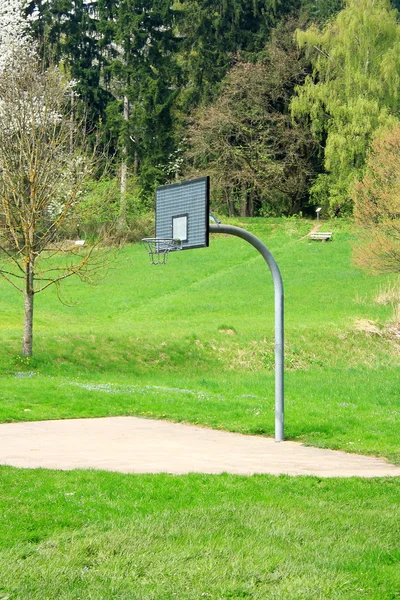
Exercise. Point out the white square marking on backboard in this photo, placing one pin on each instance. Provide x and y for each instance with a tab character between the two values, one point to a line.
180	228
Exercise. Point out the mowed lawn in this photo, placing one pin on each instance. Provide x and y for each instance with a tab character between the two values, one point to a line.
101	536
193	342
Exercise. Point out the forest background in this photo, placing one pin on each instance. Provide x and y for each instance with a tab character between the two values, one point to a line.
279	101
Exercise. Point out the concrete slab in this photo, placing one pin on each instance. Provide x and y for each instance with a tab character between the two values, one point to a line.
135	445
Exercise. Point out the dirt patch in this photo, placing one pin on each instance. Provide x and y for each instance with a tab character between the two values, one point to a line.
368	327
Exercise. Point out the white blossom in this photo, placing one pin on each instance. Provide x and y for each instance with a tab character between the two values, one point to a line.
14	32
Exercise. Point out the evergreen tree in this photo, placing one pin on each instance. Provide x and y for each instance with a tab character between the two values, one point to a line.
319	11
67	31
140	45
118	51
213	31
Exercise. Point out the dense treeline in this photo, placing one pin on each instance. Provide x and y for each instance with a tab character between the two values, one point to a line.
281	120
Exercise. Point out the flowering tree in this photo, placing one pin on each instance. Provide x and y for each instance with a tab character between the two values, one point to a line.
14	34
43	167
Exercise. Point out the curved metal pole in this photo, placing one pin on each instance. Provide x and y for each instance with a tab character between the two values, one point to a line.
279	340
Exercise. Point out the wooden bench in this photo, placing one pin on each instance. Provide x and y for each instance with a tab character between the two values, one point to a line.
322	236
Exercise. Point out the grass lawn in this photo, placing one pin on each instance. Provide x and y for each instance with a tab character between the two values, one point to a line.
193	342
103	536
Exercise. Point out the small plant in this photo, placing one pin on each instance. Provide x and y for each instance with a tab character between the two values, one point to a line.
389	294
22	361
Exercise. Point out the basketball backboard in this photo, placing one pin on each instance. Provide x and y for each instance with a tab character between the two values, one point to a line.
182	212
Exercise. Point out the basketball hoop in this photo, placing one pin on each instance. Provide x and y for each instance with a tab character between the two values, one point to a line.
159	248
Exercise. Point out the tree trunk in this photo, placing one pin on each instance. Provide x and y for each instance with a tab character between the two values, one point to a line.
71	122
27	339
250	203
229	202
122	206
124	172
243	204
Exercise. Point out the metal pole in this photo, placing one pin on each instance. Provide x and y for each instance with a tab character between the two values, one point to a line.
279	340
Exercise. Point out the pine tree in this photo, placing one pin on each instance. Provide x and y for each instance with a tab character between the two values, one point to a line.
214	31
67	33
142	71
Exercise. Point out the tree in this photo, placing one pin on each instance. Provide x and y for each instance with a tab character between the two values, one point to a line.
377	205
319	11
142	73
67	33
352	92
260	162
13	31
43	166
155	58
214	32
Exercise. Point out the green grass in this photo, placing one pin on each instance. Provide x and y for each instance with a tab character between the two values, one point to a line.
193	342
193	537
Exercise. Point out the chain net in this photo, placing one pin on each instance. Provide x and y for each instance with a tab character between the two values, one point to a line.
158	249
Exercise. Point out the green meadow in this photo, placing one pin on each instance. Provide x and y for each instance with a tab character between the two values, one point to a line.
193	341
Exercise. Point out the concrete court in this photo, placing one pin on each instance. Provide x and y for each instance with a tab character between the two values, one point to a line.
137	445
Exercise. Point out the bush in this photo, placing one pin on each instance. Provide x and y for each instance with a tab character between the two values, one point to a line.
100	208
377	205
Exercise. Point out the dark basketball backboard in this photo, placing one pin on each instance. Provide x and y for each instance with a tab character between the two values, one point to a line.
182	212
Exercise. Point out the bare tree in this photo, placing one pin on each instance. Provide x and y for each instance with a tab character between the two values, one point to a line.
43	169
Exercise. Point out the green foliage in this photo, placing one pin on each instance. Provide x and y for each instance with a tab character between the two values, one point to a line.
171	60
142	67
164	59
319	11
213	32
67	33
352	92
99	211
117	48
260	162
